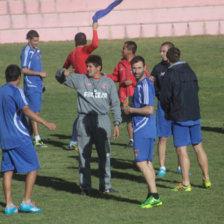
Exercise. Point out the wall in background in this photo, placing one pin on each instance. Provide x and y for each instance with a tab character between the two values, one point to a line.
59	20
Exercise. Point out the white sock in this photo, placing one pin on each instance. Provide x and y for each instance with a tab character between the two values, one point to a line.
131	140
163	167
37	138
26	202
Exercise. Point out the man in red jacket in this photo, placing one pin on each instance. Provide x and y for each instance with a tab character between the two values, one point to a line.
77	59
127	82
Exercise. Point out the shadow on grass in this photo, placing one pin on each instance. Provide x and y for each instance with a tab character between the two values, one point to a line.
71	187
213	129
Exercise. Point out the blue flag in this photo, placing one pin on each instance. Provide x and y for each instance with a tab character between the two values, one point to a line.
101	13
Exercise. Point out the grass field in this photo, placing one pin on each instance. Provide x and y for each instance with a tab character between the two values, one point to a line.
57	186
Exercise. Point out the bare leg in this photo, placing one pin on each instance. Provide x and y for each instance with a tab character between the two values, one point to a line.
30	181
184	163
147	169
130	130
162	150
202	160
35	126
7	186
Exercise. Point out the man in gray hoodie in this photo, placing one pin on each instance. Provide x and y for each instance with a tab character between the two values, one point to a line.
97	94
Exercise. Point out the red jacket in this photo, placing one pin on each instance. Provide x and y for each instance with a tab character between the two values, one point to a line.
77	58
121	73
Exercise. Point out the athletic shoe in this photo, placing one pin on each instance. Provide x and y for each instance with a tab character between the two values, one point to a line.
85	192
29	208
181	187
73	146
40	144
161	172
179	171
151	202
130	144
11	209
207	183
111	190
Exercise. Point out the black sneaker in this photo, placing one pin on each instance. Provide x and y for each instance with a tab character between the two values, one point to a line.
85	192
110	190
130	144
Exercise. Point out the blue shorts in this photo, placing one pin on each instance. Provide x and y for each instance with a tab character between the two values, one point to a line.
163	126
22	159
143	148
186	135
34	100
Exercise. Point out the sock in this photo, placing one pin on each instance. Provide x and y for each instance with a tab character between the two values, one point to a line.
178	168
155	195
163	167
131	140
11	206
37	138
26	202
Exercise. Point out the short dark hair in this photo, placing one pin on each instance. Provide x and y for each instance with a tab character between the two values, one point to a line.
168	43
12	73
31	34
95	59
80	39
131	45
173	54
137	59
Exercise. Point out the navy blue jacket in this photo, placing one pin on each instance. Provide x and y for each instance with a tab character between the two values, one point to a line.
179	93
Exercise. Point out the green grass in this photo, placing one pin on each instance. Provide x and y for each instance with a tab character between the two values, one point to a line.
57	186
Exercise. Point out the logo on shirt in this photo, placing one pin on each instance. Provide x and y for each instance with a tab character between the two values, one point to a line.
89	84
104	86
162	74
95	94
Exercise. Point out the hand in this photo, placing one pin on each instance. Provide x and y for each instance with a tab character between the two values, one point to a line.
67	73
127	110
43	74
50	126
116	132
128	82
95	26
152	79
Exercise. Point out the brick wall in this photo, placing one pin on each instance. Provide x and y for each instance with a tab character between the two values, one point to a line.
59	20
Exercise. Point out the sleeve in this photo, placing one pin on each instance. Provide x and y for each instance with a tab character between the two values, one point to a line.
166	94
67	62
115	105
156	82
95	43
115	75
73	81
20	99
148	94
25	58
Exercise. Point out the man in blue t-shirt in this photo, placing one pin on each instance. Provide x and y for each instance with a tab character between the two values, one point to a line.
33	84
179	99
18	153
144	129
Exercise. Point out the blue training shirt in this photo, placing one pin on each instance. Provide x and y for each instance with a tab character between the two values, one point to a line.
31	59
13	125
144	95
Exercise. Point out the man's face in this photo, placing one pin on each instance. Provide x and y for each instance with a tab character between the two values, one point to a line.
125	51
138	70
163	51
34	42
92	70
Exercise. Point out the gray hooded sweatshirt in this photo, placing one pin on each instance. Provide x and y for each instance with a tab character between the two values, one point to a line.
95	96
